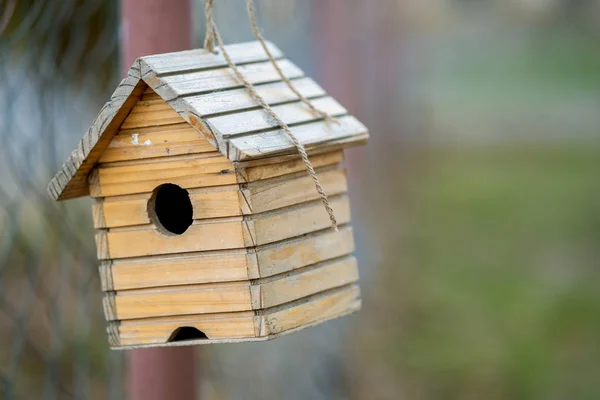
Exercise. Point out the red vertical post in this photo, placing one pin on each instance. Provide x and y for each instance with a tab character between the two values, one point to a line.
151	27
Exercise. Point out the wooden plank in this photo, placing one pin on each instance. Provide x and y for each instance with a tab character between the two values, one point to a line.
307	250
147	240
132	210
151	113
182	300
159	330
320	308
312	134
215	202
165	141
258	120
238	99
181	61
179	269
304	282
295	221
228	265
195	171
231	296
224	78
277	167
269	195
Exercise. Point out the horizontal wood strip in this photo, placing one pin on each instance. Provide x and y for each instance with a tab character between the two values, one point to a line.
312	134
160	116
265	196
145	177
258	120
221	79
182	61
182	300
133	210
296	253
317	309
304	283
238	99
159	330
228	265
162	143
209	203
296	221
275	169
148	240
180	269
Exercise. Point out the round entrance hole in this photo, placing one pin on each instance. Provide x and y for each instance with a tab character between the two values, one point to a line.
170	209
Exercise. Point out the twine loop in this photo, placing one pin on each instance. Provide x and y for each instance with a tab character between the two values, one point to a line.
212	36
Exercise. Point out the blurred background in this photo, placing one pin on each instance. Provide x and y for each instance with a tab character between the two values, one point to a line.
476	203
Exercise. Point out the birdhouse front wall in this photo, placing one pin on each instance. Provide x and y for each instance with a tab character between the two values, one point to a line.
257	258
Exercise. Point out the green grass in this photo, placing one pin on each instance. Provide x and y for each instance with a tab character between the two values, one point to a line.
498	296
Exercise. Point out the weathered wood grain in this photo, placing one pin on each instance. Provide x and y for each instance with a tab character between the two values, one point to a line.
304	282
286	191
294	221
276	142
182	61
233	100
159	330
226	265
319	308
140	177
296	253
220	79
182	300
179	269
148	240
279	166
257	120
214	202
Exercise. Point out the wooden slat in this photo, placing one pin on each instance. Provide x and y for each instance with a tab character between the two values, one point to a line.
151	113
182	300
231	296
295	221
179	269
239	99
304	283
280	167
285	256
228	265
312	134
148	240
257	120
159	330
196	171
133	210
181	61
224	78
320	308
269	195
215	202
155	142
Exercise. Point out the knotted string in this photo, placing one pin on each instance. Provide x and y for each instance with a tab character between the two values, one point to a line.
212	35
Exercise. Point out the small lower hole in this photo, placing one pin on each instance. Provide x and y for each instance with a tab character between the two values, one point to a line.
186	333
170	208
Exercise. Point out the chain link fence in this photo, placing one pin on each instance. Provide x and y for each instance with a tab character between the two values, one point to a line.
58	59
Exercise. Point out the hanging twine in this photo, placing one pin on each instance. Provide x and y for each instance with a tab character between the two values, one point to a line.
212	35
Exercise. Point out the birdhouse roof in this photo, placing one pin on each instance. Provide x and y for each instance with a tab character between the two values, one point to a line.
204	91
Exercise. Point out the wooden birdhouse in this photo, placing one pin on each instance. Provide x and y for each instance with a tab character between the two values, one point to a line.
208	227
